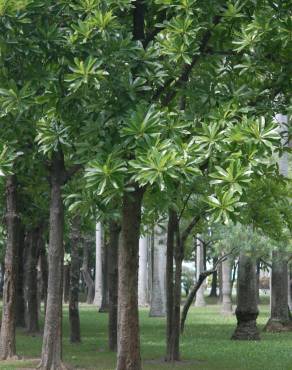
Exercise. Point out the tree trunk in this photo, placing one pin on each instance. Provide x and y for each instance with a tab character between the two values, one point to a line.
7	335
66	282
214	283
289	287
258	271
52	339
104	259
74	282
128	319
113	252
98	265
2	278
171	230
200	299
30	280
86	273
20	304
158	293
247	308
279	318
39	286
44	273
174	353
143	272
220	283
226	287
234	269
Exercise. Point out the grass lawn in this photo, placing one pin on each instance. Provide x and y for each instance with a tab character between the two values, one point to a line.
206	344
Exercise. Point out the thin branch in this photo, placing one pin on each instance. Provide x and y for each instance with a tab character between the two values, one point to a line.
266	263
206	244
203	275
187	69
189	228
72	171
151	35
184	206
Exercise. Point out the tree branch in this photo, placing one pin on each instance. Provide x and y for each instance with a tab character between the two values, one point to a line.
138	20
266	263
192	295
189	228
186	71
184	206
72	171
151	35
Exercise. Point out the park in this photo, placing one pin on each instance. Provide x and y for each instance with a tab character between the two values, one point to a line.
145	184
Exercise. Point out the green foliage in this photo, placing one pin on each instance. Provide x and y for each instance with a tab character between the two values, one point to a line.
193	103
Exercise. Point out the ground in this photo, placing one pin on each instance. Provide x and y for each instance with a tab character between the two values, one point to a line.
206	344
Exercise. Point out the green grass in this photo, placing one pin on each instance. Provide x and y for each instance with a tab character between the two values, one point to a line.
206	344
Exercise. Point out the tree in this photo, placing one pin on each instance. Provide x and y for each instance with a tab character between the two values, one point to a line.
200	266
74	319
143	291
177	106
247	309
7	334
226	287
158	289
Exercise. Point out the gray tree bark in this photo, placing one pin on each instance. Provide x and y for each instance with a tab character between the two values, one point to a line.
74	319
85	269
52	338
226	287
104	259
158	293
200	299
20	304
171	232
129	357
279	318
98	265
247	306
113	274
30	280
66	282
143	271
7	334
213	292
